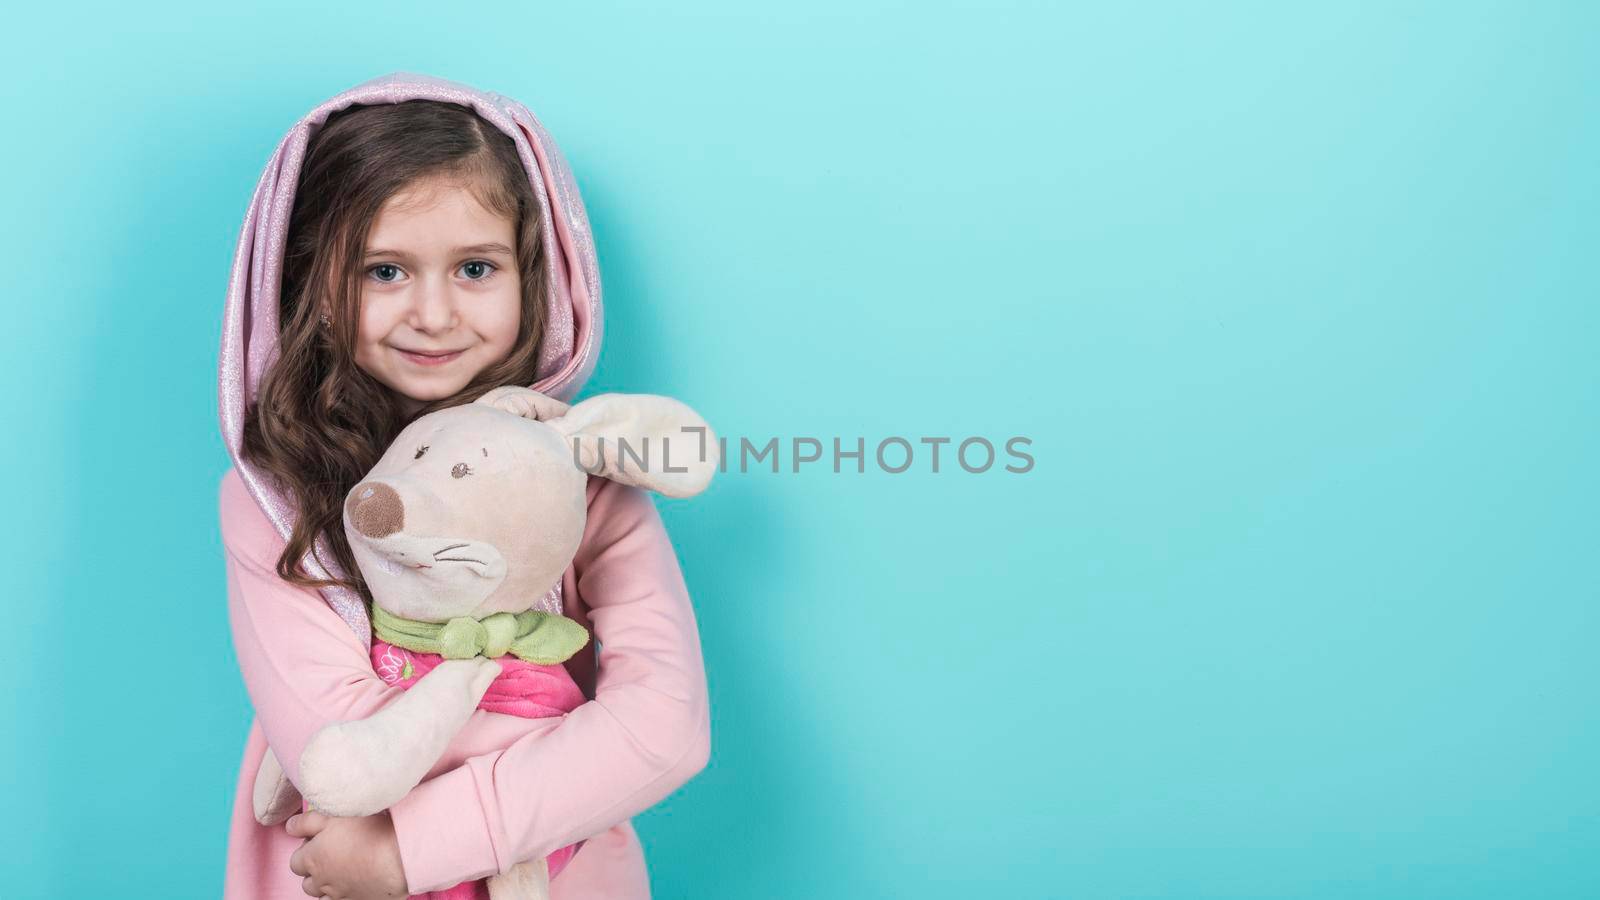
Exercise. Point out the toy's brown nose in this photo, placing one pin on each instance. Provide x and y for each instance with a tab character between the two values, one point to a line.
376	509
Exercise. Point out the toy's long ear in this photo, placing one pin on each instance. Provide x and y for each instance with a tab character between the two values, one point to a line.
645	440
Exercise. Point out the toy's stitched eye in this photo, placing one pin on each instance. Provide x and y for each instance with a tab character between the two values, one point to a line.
460	470
421	450
485	452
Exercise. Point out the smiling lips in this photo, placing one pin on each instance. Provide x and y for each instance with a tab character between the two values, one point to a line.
430	359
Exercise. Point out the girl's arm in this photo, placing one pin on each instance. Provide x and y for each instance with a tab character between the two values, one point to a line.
646	732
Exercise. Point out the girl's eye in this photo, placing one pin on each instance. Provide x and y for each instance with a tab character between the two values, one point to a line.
476	270
479	266
384	268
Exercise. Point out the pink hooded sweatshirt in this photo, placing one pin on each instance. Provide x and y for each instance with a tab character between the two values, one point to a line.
509	788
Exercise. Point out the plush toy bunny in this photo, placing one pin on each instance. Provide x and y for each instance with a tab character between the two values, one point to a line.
464	524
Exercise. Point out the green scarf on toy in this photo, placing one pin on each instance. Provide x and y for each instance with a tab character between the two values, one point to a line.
537	637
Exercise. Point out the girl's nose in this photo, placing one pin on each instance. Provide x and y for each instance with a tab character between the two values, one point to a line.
376	509
434	310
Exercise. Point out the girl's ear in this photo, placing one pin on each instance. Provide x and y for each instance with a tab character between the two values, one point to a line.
646	440
525	402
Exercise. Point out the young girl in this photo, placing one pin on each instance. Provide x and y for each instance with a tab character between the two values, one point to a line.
414	243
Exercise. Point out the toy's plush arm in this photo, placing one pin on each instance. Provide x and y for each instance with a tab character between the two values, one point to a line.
360	767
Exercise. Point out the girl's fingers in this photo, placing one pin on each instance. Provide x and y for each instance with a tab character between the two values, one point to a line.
297	862
306	824
311	889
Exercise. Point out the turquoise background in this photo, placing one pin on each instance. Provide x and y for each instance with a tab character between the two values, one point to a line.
1297	305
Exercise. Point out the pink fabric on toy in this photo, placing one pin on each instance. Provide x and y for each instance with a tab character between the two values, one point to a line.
522	688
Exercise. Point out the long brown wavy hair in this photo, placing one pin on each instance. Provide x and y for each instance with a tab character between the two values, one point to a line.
320	422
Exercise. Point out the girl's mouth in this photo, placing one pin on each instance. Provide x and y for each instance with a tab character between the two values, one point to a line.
429	359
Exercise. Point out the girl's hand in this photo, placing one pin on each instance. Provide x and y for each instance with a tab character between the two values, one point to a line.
355	858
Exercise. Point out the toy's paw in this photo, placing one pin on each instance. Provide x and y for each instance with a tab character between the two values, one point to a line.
343	772
460	683
488	671
527	880
525	402
274	798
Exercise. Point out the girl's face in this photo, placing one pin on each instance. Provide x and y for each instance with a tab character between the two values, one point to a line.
441	298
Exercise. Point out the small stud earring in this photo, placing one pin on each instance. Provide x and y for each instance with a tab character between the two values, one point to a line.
326	322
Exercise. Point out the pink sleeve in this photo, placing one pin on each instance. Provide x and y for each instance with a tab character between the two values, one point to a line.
646	732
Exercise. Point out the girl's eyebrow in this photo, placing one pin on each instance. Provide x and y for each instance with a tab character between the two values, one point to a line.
495	247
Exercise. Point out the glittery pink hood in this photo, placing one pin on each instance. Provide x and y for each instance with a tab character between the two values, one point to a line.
250	317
